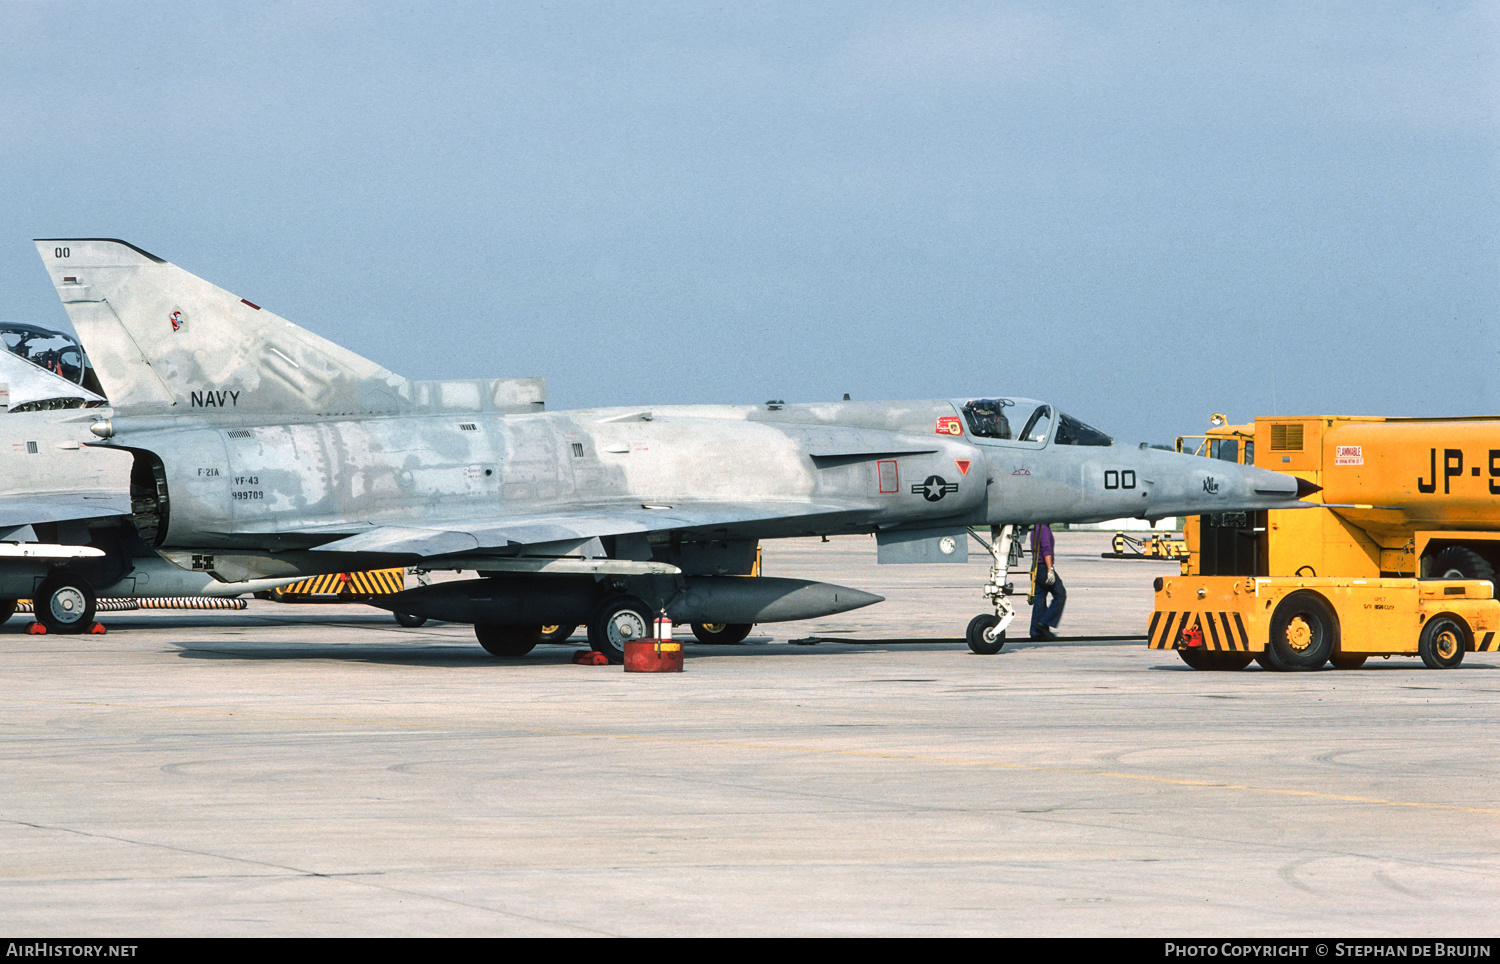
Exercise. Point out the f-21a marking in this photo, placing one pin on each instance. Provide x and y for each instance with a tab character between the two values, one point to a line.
1453	467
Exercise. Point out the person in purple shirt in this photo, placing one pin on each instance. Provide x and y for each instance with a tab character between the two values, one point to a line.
1045	582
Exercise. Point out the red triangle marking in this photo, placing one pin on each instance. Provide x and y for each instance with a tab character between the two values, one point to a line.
963	465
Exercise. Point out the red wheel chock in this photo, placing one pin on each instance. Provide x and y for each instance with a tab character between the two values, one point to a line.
590	657
37	629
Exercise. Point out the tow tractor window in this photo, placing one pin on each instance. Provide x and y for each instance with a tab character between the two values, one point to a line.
1070	431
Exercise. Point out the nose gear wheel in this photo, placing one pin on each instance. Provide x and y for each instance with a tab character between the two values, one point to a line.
986	633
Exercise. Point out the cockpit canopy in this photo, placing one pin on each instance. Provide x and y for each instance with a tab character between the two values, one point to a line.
58	353
988	418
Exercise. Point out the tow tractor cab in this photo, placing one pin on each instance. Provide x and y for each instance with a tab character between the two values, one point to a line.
1401	562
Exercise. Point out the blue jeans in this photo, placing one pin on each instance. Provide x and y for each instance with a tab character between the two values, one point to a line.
1045	615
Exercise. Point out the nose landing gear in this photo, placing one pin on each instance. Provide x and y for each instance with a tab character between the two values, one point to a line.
986	633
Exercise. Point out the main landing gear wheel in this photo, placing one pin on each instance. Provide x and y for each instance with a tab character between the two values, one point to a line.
1302	629
721	633
1441	645
1347	660
410	621
507	641
64	604
620	620
983	637
7	609
1215	662
557	632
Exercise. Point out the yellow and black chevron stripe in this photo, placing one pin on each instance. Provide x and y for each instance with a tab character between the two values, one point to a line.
1221	631
1487	644
374	583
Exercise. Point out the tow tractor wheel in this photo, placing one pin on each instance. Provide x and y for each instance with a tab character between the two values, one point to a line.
7	609
1347	660
1200	658
982	637
1441	645
620	620
64	603
507	641
721	633
1302	631
1459	562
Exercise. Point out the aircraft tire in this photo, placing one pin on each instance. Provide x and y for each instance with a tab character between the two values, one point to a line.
977	637
65	604
1347	660
1441	645
1302	632
1215	662
620	619
410	621
7	609
724	634
507	642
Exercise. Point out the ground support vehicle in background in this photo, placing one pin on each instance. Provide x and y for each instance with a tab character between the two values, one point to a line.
1155	547
1400	563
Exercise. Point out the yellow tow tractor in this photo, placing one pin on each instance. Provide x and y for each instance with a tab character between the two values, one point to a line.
1400	563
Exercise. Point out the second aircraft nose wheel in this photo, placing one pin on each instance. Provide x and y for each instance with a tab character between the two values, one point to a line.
64	603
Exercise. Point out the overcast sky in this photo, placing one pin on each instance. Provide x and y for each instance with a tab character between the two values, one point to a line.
1145	212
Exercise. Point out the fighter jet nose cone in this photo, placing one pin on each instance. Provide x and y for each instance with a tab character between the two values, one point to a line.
1306	488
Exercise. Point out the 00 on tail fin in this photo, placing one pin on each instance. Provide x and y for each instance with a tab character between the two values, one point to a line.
163	339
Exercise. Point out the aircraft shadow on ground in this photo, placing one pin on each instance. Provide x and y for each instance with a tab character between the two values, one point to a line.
220	619
418	650
452	654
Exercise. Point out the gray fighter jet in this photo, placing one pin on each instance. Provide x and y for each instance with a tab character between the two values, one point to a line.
260	450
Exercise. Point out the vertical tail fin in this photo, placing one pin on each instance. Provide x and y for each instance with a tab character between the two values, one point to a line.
163	339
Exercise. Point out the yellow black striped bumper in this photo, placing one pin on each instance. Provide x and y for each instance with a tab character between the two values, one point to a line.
1222	631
